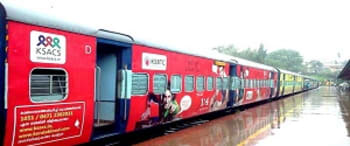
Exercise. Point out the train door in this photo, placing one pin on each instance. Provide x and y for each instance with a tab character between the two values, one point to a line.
112	71
241	85
50	80
234	85
2	71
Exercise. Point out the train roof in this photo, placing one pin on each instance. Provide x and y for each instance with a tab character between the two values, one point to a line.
289	72
253	64
22	13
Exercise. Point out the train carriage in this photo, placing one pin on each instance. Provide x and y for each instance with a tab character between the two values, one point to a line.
198	85
64	84
290	82
259	82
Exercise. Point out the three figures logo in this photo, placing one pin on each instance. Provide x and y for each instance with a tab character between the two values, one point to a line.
47	48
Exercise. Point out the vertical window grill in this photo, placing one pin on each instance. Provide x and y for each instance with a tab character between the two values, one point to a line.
176	84
210	83
139	84
159	84
189	83
48	85
200	83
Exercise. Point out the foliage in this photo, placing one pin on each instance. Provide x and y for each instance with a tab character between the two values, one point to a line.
285	59
249	54
315	66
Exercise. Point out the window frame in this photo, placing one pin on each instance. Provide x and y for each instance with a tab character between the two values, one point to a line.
242	83
50	101
222	83
181	88
203	89
166	83
148	83
212	83
192	84
227	87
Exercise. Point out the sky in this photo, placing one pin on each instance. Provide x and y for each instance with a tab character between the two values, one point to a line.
318	29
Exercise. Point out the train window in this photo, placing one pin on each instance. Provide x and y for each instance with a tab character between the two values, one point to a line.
242	81
272	84
225	83
159	84
219	83
259	83
210	83
139	85
234	83
175	84
48	85
189	82
200	83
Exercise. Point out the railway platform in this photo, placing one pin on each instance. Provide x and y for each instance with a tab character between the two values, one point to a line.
317	117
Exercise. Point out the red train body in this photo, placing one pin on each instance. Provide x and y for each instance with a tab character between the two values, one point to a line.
62	85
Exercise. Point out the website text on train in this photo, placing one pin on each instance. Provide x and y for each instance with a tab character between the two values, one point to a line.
66	84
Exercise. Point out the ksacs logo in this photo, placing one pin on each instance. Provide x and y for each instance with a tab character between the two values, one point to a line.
47	48
154	61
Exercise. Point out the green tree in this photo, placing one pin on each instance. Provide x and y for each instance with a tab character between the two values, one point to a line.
314	66
248	54
261	54
285	59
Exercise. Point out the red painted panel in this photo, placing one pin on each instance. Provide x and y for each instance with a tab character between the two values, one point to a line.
78	106
255	94
176	64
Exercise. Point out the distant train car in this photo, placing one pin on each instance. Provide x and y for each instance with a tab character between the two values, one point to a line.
310	83
66	84
259	81
290	83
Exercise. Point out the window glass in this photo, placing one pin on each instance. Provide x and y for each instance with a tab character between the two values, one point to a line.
226	83
219	83
200	83
189	82
233	84
139	84
48	85
159	84
242	83
175	83
210	83
271	84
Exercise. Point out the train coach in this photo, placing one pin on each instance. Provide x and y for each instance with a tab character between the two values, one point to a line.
66	84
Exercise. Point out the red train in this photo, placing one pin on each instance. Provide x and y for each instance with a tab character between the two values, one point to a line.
65	84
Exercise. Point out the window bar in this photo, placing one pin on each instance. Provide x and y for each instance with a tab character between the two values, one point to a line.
50	81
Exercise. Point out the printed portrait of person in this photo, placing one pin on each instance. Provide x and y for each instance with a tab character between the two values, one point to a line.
159	109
